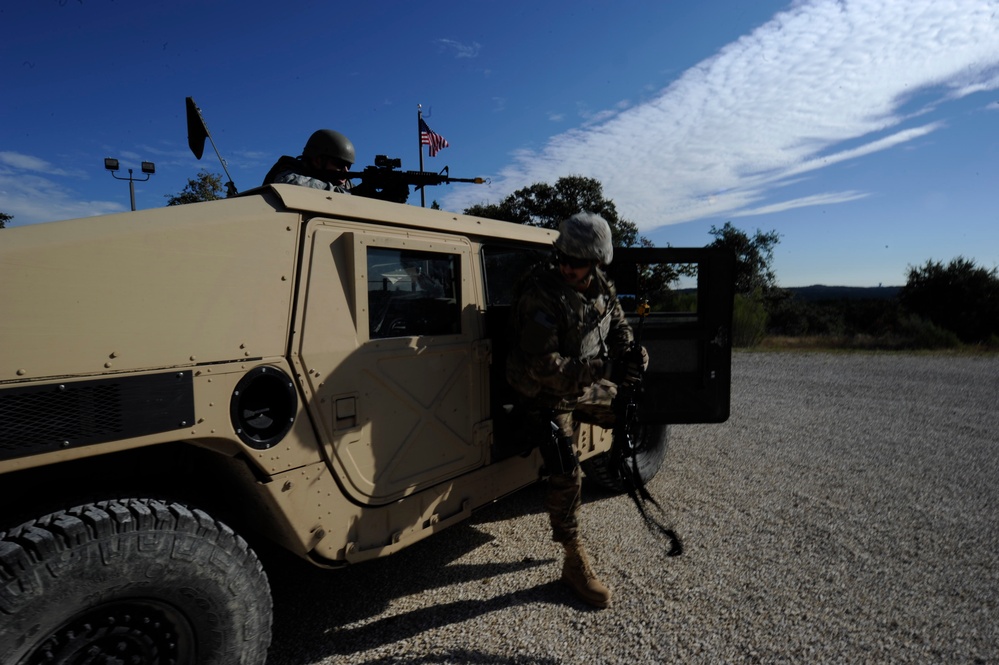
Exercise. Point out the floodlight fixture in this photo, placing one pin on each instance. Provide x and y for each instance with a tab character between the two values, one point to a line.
111	164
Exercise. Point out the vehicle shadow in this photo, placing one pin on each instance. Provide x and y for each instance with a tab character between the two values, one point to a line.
463	656
322	613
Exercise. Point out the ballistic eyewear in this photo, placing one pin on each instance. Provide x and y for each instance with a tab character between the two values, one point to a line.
572	261
334	164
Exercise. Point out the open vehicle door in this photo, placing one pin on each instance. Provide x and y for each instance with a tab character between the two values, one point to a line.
688	332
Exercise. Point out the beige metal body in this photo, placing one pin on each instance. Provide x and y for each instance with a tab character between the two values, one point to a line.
390	435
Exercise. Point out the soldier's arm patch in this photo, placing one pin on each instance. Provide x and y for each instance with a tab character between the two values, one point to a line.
539	334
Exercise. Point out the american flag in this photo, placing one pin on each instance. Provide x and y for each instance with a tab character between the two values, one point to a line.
428	137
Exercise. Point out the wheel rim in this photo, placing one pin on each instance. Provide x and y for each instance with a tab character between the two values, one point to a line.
131	632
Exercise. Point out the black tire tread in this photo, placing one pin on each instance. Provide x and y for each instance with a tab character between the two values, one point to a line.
33	554
651	455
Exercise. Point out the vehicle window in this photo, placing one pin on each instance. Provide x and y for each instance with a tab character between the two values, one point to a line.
504	266
413	293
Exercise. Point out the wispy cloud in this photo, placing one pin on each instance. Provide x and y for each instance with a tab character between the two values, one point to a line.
803	202
819	84
460	49
21	162
29	192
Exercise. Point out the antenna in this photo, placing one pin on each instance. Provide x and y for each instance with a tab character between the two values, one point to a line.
197	132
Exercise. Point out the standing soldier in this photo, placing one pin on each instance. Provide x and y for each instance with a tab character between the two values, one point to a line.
571	348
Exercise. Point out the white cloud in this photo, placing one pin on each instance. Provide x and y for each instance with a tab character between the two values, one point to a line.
32	198
460	49
21	162
803	202
819	84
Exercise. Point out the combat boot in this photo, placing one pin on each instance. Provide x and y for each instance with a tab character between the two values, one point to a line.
578	576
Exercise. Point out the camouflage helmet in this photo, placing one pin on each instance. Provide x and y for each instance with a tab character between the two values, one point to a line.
326	142
586	235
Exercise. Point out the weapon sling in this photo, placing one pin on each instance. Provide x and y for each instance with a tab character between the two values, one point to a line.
626	456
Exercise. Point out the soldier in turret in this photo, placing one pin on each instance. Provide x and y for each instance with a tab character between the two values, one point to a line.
571	347
327	156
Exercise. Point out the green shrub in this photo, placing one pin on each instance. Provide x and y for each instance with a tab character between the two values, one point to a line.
749	320
919	333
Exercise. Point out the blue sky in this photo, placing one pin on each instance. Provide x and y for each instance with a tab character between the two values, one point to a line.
865	132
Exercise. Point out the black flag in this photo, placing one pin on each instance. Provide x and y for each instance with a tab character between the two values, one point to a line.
196	130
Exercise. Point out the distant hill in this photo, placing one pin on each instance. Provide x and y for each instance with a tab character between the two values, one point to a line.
821	292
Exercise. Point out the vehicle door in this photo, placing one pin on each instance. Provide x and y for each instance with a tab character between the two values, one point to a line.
387	340
687	332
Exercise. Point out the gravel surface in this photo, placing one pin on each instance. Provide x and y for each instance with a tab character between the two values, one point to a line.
846	512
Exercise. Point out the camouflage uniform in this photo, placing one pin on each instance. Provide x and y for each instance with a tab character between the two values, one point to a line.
562	342
295	171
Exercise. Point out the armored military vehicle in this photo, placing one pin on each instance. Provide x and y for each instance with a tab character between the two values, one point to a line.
320	371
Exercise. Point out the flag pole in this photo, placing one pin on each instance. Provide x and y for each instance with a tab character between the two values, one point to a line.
419	143
197	132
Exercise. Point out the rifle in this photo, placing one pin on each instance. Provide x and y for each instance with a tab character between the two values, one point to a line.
382	181
625	450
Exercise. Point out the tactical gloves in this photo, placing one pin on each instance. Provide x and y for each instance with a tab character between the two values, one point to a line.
627	370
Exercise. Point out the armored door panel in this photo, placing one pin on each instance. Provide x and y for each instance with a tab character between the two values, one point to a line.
687	330
388	330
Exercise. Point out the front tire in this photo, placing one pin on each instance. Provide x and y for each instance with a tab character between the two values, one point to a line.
131	581
652	441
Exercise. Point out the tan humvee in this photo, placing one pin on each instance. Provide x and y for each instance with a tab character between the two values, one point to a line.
319	370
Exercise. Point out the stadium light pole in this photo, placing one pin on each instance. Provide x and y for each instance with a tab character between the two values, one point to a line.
148	168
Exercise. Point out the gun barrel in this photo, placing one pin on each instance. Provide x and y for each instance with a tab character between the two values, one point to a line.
382	181
410	177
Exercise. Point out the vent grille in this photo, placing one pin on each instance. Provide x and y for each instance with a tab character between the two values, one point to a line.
78	413
40	419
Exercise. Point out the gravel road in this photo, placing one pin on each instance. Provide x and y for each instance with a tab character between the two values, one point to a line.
846	513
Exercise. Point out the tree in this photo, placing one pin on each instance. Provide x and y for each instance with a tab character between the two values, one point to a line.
753	258
757	294
546	206
205	187
961	297
4	218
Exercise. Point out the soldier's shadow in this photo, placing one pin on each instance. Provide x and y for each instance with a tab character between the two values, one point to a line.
321	613
460	655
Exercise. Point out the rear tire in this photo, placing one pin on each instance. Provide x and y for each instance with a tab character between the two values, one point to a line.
653	440
131	581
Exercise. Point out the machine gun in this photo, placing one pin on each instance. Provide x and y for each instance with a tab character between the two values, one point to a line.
624	452
383	181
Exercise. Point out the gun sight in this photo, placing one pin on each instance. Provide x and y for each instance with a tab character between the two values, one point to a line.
383	161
